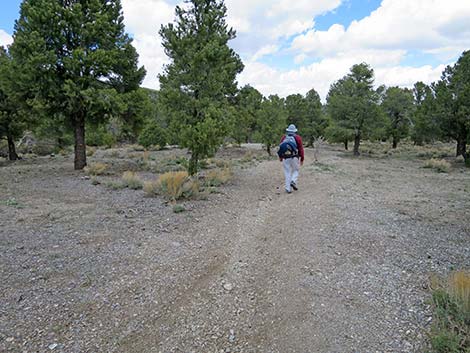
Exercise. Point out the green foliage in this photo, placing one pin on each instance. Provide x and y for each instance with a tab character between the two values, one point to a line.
245	118
100	136
272	121
199	83
178	208
426	127
13	120
452	94
352	104
153	135
74	60
398	107
317	122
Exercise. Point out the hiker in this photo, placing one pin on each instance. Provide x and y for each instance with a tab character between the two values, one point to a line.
291	154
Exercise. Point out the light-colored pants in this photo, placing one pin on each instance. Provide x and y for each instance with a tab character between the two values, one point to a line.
291	170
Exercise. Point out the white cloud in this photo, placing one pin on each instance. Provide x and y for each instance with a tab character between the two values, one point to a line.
413	25
266	50
322	74
143	18
383	39
5	38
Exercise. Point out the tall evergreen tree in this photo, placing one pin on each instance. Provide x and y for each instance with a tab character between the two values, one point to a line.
425	127
316	120
248	106
272	121
397	104
13	120
75	60
199	83
453	103
353	104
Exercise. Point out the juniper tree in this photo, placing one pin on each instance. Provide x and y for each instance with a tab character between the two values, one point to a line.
199	83
75	59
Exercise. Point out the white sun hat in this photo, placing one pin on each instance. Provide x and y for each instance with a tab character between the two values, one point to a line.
291	128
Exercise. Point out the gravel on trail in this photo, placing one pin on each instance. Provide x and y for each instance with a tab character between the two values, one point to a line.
342	265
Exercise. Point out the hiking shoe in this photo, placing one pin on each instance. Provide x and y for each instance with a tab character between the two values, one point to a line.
288	191
294	186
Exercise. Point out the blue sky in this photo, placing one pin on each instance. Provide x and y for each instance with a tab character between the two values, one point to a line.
292	46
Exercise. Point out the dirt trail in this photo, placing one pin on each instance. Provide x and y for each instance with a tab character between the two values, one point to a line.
342	265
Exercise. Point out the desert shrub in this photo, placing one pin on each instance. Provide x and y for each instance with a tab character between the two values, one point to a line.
451	312
440	165
153	135
90	151
132	180
178	208
96	168
114	185
100	137
151	188
177	185
218	177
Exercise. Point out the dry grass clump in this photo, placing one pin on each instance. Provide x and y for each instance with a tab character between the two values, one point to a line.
177	185
218	177
132	180
151	188
96	168
451	308
440	165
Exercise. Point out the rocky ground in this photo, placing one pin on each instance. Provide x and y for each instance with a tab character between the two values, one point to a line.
342	265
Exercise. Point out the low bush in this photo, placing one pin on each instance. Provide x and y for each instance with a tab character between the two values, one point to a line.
440	165
115	185
177	185
132	180
96	168
450	331
151	188
178	208
218	177
153	135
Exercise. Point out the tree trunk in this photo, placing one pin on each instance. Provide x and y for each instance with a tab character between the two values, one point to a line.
394	142
193	163
12	156
357	142
461	145
268	149
346	145
80	148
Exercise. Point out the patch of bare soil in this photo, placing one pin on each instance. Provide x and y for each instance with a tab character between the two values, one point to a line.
342	265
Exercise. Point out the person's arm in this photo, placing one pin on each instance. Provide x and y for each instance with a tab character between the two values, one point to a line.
300	147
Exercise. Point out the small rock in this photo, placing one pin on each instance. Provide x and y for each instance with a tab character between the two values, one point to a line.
10	339
53	346
228	287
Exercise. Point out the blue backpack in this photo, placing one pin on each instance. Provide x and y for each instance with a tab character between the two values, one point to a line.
288	147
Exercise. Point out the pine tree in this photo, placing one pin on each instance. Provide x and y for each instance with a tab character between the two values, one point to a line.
453	103
13	121
353	104
199	84
75	60
397	105
272	121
